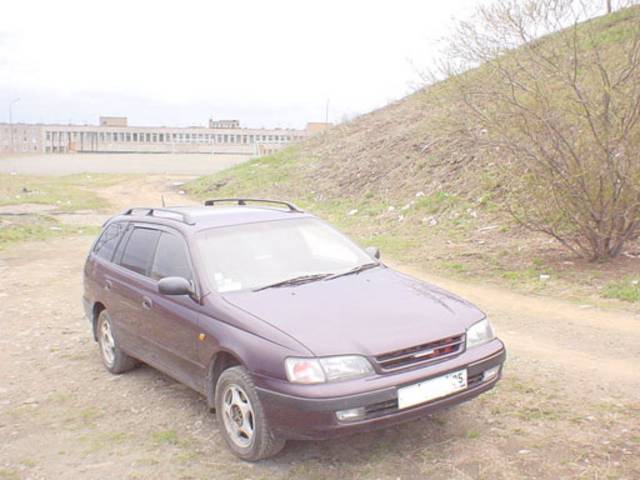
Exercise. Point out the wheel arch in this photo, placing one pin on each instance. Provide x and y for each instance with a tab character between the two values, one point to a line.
98	307
221	361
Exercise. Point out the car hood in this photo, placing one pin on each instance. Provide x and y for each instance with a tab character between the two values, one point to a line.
370	313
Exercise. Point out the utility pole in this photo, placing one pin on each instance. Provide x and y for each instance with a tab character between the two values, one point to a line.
16	100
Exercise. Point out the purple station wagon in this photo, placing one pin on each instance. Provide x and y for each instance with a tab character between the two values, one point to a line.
288	328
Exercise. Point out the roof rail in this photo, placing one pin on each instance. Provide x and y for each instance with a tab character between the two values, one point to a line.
151	212
243	202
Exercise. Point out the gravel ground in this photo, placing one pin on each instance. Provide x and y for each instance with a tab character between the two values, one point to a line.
568	406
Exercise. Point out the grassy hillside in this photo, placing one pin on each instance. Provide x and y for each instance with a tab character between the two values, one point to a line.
403	179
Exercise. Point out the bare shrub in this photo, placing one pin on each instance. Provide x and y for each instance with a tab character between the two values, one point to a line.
560	113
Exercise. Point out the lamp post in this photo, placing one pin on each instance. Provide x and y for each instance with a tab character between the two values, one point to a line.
11	120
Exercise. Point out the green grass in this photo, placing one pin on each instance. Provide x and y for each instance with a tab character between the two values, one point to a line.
67	193
9	474
38	227
266	173
437	202
166	437
627	289
453	266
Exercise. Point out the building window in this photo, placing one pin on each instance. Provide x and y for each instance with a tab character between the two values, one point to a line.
161	138
135	137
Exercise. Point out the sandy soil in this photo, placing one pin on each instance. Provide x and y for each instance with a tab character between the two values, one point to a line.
568	406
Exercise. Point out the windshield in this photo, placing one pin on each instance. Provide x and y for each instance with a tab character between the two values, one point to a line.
256	255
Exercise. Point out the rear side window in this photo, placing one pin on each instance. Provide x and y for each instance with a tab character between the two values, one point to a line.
138	254
172	258
108	241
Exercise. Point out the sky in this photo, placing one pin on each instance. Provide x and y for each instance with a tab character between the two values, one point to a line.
267	63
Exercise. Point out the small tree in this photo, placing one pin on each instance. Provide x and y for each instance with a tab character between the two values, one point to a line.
561	113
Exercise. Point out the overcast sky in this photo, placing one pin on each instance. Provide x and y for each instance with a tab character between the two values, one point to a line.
267	63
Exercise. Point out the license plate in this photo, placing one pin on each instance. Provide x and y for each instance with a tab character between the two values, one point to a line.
431	389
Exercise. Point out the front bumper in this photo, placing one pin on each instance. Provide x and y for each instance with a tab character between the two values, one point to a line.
295	416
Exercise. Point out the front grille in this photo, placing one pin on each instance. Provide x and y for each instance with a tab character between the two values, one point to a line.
380	409
421	354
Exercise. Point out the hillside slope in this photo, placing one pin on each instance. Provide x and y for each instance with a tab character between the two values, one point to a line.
402	178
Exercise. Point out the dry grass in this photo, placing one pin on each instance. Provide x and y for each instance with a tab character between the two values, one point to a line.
402	178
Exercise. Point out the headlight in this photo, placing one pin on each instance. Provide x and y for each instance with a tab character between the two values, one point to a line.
328	369
479	333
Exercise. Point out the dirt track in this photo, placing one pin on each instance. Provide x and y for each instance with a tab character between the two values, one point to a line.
568	407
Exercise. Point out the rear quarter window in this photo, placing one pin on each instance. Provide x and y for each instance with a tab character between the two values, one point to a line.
108	241
140	249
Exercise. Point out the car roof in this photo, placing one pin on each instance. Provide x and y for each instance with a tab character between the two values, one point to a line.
197	217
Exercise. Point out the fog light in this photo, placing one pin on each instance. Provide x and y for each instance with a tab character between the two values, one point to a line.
490	373
350	414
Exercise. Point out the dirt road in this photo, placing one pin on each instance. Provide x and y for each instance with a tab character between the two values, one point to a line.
568	407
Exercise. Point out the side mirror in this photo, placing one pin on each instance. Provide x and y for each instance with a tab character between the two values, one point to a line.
174	286
374	252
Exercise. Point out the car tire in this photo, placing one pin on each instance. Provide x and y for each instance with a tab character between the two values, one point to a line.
113	358
241	417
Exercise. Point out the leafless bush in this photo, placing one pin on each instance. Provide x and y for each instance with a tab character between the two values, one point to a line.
561	113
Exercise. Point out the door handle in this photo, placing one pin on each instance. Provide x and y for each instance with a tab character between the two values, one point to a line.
146	303
108	284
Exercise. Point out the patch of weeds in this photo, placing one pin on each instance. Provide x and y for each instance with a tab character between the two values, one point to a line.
59	397
396	246
538	414
610	407
99	441
75	356
147	461
8	474
166	437
89	415
39	227
627	289
66	193
523	388
520	277
472	434
248	178
537	262
453	266
436	202
188	456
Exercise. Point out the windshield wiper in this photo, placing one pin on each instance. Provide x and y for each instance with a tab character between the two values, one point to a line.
295	281
358	269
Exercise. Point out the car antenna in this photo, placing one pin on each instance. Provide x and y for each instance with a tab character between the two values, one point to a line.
162	198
